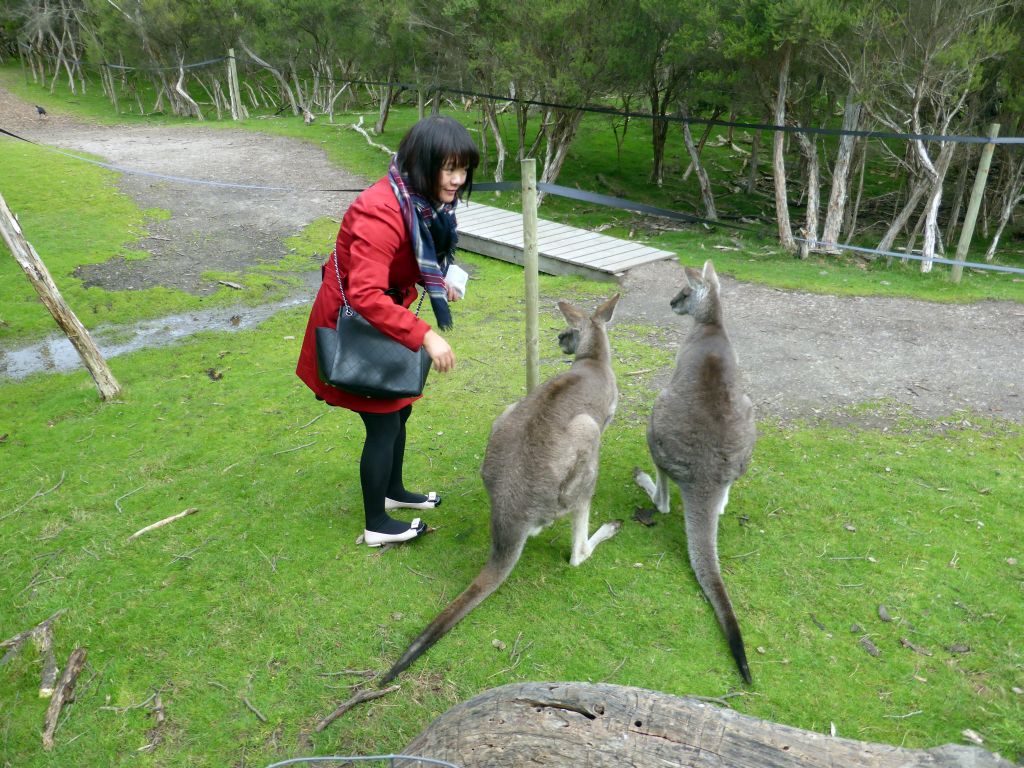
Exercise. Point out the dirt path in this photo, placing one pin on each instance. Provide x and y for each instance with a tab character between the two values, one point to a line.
804	355
210	228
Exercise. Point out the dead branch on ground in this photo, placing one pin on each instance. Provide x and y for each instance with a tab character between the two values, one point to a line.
165	521
62	694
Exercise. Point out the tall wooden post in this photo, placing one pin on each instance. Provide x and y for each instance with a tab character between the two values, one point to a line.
971	217
238	111
531	270
41	280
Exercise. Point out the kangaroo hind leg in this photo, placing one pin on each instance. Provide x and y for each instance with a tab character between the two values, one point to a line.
577	488
582	545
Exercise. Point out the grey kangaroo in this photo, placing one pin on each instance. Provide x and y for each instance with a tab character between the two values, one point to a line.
541	464
701	435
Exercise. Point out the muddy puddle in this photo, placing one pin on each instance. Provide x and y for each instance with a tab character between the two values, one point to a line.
55	354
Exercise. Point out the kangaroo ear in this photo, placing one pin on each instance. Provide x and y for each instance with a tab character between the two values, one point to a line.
606	310
572	315
709	274
693	277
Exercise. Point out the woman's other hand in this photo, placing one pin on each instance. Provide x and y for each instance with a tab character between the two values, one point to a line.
440	351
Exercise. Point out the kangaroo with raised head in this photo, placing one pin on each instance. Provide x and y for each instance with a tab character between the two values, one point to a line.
541	464
701	435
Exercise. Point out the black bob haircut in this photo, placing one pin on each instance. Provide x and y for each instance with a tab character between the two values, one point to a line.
428	145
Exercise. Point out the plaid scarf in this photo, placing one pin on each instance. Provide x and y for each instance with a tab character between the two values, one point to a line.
428	227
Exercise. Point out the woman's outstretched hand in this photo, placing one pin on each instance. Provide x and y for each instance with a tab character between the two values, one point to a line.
440	351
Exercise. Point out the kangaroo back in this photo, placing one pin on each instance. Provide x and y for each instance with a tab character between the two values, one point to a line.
701	435
541	462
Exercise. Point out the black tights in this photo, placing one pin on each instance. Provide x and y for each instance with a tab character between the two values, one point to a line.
380	468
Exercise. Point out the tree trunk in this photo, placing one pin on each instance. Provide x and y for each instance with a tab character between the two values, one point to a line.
385	107
659	99
961	188
898	223
708	198
809	147
755	147
937	171
285	88
491	119
178	87
560	135
703	140
42	281
850	219
840	176
609	726
1011	200
778	154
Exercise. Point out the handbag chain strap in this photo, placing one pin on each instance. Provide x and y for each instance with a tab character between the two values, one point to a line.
344	298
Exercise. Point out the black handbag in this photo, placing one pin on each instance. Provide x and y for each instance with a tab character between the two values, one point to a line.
357	358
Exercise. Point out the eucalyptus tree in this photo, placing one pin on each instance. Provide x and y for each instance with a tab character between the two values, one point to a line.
773	35
674	47
560	53
49	31
290	39
933	51
1005	82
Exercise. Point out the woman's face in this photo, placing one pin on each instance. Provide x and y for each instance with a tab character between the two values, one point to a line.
452	177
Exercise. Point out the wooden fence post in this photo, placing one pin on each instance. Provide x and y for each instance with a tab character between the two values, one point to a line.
238	111
971	217
530	270
41	280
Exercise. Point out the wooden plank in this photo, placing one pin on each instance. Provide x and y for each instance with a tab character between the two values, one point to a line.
580	235
546	264
492	216
498	233
577	251
626	253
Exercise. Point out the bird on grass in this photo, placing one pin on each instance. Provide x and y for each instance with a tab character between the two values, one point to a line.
40	110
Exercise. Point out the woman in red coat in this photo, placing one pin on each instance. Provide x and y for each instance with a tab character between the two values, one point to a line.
397	233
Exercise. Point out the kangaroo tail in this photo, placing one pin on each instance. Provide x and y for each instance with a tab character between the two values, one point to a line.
702	542
489	579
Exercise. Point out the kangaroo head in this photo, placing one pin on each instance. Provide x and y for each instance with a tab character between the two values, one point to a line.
585	336
699	295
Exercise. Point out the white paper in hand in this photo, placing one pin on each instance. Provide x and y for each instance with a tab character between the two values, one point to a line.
457	278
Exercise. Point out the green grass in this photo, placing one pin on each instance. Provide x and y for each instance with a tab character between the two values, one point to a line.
263	590
263	593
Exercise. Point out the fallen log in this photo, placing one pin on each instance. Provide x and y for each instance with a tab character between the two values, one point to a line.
608	726
63	694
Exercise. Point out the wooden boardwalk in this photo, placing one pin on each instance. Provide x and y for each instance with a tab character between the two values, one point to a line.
563	250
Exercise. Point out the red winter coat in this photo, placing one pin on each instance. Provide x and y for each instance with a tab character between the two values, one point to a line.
374	255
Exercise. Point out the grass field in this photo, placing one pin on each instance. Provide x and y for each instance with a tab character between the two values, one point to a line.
253	617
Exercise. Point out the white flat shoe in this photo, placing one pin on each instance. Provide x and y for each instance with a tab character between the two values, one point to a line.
433	500
374	539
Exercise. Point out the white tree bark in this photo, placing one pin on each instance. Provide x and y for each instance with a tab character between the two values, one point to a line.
285	88
1011	199
42	281
491	118
778	154
840	175
809	147
706	195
